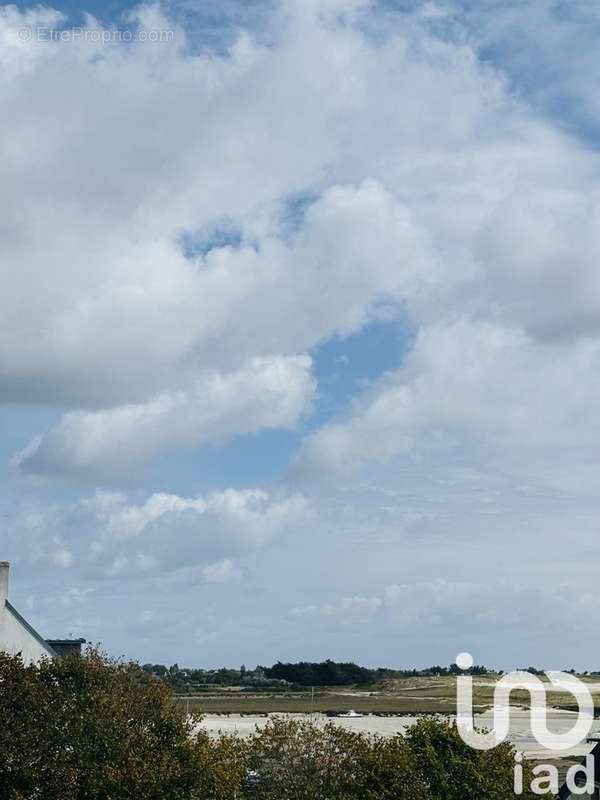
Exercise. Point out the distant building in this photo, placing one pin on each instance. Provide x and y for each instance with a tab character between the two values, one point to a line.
66	647
18	636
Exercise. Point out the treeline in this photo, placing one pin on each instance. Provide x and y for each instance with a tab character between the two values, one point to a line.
332	673
95	729
326	673
439	672
301	674
219	677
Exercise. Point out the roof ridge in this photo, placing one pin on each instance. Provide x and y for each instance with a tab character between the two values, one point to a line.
30	629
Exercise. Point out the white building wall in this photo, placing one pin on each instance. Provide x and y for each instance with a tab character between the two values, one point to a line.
16	636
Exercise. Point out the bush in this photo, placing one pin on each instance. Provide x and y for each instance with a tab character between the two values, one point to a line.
451	770
304	761
390	771
223	767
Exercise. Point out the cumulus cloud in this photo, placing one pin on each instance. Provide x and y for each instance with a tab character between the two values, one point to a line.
108	534
118	311
546	47
173	253
489	390
168	532
120	317
462	608
220	572
269	392
348	607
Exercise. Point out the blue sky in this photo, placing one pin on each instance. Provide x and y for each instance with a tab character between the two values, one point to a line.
300	339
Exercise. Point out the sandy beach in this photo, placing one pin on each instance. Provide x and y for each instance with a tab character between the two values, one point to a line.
520	731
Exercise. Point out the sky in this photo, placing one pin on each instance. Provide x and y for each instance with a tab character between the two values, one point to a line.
300	329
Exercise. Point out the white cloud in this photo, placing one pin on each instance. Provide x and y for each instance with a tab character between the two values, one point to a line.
116	313
486	391
62	558
357	175
76	596
453	611
348	607
458	558
269	392
109	534
547	47
169	532
103	310
124	520
222	571
434	192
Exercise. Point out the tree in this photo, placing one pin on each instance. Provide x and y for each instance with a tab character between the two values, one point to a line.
308	761
452	770
92	728
223	767
292	760
389	771
326	673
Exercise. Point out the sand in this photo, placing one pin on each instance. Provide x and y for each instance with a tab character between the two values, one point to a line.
520	734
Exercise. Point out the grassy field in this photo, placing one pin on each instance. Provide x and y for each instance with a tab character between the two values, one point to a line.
410	696
399	696
323	702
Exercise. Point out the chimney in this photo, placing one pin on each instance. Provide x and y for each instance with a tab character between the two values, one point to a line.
4	568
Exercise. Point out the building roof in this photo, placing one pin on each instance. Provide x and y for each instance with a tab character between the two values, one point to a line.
66	641
31	630
18	635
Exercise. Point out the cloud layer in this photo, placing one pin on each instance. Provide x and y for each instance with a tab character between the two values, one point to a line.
269	392
185	228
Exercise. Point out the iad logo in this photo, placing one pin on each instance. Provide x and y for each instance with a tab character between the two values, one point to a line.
580	778
557	681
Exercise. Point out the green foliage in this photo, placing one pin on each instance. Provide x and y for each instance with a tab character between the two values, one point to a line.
94	729
451	770
90	728
294	676
390	771
302	761
327	673
223	767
